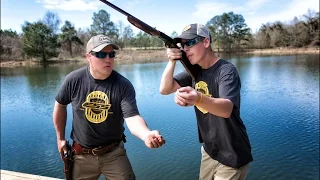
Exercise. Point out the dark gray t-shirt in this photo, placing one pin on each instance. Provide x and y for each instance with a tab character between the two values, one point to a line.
98	106
225	139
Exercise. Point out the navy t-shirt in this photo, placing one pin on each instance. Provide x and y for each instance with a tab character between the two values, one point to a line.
225	139
98	106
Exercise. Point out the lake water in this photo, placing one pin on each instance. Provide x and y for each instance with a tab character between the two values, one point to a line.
279	106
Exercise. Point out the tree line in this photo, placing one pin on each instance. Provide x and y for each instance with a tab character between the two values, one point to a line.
44	39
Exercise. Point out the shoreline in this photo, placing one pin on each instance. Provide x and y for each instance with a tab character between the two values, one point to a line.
158	55
281	51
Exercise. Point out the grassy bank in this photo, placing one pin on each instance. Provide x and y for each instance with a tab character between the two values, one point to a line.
284	51
143	56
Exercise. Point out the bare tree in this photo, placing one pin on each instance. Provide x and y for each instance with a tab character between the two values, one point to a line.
52	20
127	36
11	45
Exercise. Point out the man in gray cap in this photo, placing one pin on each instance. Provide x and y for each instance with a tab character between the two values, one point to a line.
215	95
102	100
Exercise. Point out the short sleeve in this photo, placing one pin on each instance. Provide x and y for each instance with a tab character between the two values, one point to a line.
230	85
65	92
128	103
183	79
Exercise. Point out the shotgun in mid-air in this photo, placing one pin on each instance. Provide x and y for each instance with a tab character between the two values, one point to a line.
170	42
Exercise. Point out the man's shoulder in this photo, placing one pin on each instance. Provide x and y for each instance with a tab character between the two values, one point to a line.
119	77
78	73
226	65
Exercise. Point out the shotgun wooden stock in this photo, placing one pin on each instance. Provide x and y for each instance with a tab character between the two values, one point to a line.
193	70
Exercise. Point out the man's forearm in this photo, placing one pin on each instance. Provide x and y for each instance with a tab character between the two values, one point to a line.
137	127
217	106
59	120
167	81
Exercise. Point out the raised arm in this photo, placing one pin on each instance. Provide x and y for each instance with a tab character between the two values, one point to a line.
168	85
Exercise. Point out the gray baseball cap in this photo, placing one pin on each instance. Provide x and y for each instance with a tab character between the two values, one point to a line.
191	31
98	42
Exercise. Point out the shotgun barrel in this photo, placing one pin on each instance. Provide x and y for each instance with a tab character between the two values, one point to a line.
193	70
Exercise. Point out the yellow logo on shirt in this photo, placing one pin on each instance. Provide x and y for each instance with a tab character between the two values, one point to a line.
202	87
96	107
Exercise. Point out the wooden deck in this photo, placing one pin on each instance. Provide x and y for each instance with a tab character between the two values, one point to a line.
11	175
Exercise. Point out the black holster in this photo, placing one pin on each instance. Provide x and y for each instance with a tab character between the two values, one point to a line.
67	158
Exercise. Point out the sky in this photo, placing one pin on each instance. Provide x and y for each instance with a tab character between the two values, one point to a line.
166	15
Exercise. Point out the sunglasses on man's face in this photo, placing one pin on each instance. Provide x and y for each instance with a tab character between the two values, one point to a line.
102	55
192	42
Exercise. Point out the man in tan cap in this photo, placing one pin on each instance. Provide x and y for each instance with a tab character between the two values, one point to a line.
101	100
215	95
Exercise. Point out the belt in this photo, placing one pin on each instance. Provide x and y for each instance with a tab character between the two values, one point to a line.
78	149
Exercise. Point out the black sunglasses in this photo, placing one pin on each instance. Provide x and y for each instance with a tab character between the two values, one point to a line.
102	55
192	42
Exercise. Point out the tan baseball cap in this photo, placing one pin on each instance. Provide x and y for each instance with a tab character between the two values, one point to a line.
98	42
193	30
